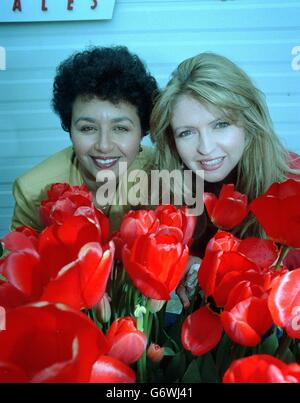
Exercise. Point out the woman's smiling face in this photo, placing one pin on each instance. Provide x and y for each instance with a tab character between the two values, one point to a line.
104	134
205	140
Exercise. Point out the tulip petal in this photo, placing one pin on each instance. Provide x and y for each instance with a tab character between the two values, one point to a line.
201	331
284	302
263	252
128	347
110	370
261	368
247	321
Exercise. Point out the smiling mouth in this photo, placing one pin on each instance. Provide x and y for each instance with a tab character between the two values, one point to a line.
104	163
212	164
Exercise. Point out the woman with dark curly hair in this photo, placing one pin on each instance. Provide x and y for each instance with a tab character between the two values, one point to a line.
104	98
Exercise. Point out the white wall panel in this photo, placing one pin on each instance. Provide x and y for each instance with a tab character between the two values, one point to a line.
256	34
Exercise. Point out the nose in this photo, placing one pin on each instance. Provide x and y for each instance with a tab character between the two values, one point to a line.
104	143
206	143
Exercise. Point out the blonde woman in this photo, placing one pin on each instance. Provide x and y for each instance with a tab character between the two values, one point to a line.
211	117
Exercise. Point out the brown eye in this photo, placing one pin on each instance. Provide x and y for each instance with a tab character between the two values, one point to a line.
121	129
87	129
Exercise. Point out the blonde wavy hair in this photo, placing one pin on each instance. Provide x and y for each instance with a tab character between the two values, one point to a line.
218	83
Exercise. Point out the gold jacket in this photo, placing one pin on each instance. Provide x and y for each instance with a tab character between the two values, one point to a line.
63	167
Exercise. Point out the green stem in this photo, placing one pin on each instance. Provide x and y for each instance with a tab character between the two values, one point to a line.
140	313
283	346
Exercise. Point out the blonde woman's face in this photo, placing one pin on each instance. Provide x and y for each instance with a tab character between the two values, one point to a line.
205	140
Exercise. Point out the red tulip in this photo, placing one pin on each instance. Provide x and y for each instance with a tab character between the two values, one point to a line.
65	201
227	211
49	343
248	321
156	263
221	243
82	283
172	216
284	302
69	266
110	370
54	343
262	368
65	241
22	238
278	212
238	282
127	344
62	201
21	267
155	353
201	331
136	223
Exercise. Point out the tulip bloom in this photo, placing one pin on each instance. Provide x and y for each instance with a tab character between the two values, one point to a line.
172	216
82	283
155	353
284	303
77	276
126	343
49	343
65	200
54	343
136	223
262	369
156	263
239	287
278	212
227	211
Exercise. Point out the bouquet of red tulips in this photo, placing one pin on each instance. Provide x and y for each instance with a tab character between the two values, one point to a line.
83	306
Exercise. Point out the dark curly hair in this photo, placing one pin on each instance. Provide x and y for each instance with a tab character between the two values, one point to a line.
109	73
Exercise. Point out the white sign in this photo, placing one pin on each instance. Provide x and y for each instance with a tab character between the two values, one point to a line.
55	10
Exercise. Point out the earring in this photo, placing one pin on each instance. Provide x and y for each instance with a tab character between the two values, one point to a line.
140	148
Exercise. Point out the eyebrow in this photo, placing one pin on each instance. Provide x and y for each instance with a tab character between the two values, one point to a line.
192	127
114	120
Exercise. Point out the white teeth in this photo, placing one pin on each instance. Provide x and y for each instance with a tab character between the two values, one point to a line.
105	162
212	162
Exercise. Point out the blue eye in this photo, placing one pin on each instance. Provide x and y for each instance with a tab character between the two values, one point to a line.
222	125
185	133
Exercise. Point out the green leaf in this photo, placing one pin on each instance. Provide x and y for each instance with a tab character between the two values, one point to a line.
208	369
223	354
1	249
289	357
192	374
168	351
270	345
176	367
